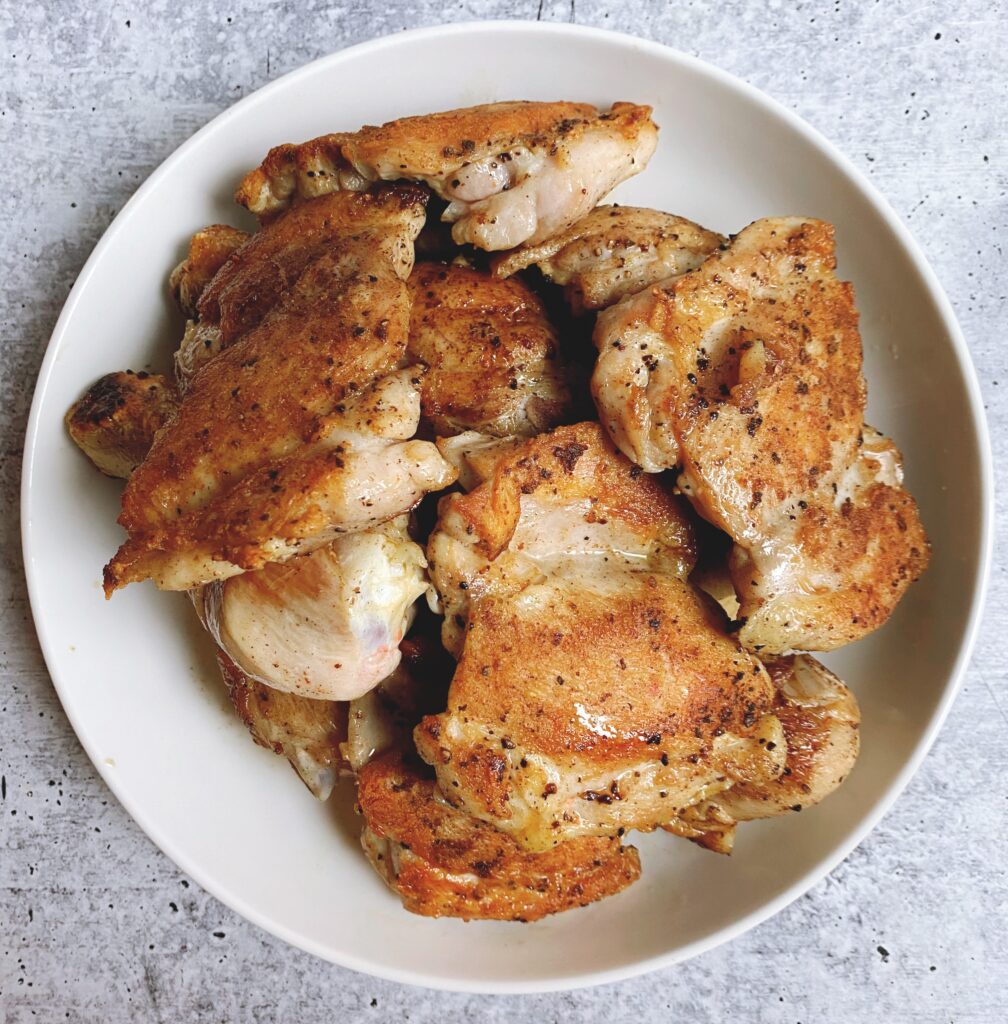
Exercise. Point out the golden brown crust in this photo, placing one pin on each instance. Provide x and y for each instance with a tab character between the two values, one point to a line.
747	373
596	690
491	352
614	251
254	454
445	864
115	421
209	250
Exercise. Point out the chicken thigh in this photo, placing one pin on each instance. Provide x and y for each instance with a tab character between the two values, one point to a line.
491	353
300	430
442	863
209	249
746	373
596	690
511	172
614	251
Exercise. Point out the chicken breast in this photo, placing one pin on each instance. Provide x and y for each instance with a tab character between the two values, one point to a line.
491	354
327	624
747	373
298	432
115	421
821	720
511	172
614	251
442	863
309	733
209	249
596	690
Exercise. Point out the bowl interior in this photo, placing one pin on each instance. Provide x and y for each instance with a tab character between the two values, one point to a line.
137	678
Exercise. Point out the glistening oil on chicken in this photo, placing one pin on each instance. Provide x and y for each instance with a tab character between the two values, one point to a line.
524	615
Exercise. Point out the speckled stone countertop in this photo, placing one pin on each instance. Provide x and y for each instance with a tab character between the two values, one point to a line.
95	923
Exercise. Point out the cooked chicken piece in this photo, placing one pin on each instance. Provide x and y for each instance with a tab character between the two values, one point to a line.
309	733
821	719
511	172
615	251
596	690
299	431
209	249
747	373
115	422
326	624
490	351
260	274
442	863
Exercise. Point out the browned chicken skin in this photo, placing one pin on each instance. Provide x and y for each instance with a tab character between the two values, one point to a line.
209	249
747	374
300	430
115	421
491	353
442	863
511	172
614	251
596	691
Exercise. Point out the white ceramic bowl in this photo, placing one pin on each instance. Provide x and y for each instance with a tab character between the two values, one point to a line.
137	678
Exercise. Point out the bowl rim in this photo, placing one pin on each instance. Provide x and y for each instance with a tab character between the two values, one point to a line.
886	799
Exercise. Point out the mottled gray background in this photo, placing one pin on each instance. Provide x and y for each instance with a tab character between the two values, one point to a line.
95	923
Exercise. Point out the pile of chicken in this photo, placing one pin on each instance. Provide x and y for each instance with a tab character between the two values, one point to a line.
621	555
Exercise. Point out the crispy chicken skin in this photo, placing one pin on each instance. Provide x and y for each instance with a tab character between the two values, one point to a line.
259	274
298	431
821	719
511	172
209	249
115	421
747	373
309	733
614	251
491	353
596	690
327	624
442	863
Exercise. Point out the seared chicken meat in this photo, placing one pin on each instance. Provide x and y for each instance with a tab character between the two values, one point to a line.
510	172
491	353
746	373
114	423
301	429
443	863
821	721
614	251
596	690
209	249
326	624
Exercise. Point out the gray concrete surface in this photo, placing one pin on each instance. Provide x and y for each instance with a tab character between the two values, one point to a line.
95	923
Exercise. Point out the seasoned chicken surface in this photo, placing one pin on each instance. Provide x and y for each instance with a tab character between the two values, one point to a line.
309	733
747	373
300	430
326	624
615	251
209	249
511	172
260	274
491	353
442	863
114	423
596	690
821	720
